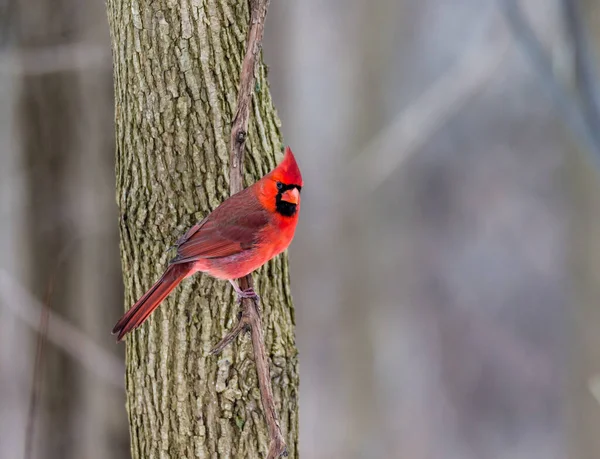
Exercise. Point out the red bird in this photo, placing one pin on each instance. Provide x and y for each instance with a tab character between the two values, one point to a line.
239	236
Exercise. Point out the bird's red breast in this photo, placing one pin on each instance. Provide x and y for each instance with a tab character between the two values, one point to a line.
249	228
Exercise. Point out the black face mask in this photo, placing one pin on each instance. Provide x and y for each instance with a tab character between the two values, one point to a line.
287	209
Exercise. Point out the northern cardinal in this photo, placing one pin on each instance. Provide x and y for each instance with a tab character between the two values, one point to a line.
240	235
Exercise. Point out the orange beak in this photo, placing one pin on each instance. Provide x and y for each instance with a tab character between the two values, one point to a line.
292	196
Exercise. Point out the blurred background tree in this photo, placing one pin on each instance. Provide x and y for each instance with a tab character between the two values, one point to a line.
57	168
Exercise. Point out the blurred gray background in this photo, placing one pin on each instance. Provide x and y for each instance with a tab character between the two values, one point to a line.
446	268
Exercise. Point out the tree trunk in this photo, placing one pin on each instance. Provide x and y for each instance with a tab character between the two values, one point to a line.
176	75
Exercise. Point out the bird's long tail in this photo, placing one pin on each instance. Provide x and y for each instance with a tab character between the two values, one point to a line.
140	311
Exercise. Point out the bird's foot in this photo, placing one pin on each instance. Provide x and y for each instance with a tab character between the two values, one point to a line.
248	293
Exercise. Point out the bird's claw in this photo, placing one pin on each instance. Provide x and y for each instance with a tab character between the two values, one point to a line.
248	293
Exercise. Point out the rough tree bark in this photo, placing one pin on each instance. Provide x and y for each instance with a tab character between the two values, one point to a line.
176	67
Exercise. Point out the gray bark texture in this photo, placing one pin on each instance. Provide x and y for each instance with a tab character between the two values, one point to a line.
176	67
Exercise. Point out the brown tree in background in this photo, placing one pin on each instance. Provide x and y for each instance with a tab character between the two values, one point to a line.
176	73
65	151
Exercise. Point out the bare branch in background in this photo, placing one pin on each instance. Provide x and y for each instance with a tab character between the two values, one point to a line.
42	337
413	126
409	131
53	59
20	302
542	63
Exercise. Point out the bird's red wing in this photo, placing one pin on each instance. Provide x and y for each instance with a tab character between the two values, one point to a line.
230	229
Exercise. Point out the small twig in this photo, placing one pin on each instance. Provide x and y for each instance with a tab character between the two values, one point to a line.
250	317
241	326
36	385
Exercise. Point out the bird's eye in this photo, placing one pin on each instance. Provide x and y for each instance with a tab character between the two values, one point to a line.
279	186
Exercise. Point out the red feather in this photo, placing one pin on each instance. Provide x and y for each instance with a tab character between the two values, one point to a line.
232	228
140	311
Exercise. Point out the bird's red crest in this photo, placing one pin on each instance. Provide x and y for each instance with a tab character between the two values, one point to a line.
288	171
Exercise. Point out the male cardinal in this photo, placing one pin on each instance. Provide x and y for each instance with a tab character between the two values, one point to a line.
239	236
